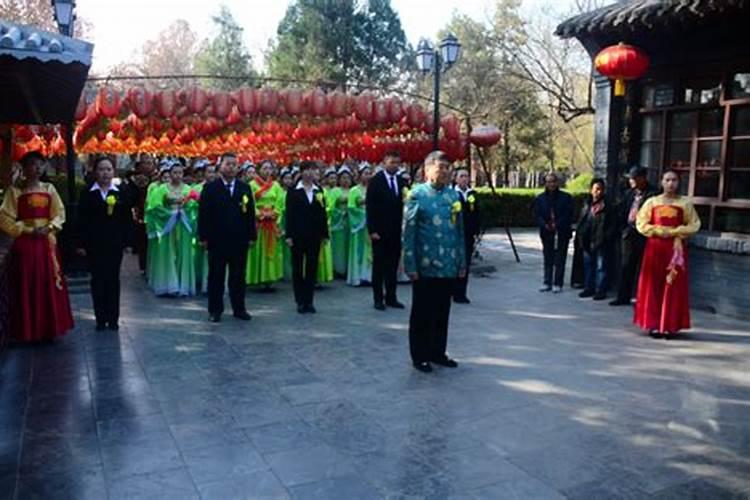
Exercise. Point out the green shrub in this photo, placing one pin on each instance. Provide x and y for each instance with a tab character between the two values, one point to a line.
580	184
513	206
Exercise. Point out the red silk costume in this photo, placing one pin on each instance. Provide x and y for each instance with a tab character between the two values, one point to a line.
40	308
662	302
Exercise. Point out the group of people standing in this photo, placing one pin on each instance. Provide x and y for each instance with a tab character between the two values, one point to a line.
646	228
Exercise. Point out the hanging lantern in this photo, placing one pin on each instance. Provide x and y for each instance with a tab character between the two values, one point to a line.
318	102
451	127
140	101
338	104
269	100
196	100
247	101
108	102
485	136
380	111
81	108
621	62
415	116
221	105
396	110
166	103
293	102
363	107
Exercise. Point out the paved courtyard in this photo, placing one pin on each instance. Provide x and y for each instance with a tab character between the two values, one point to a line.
555	397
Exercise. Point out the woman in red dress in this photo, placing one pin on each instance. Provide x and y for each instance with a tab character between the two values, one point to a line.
33	213
662	307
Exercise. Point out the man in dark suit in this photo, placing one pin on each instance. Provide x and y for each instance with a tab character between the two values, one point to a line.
104	215
472	228
553	211
306	226
226	227
385	207
632	243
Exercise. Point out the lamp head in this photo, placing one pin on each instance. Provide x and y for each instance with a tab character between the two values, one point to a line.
450	49
425	56
64	14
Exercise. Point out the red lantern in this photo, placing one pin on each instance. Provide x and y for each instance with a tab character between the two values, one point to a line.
621	62
363	107
415	116
196	100
485	136
451	127
108	102
269	100
140	101
396	110
247	101
380	111
81	108
294	102
338	104
221	105
166	103
318	102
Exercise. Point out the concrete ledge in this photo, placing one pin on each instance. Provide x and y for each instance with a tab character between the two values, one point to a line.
733	243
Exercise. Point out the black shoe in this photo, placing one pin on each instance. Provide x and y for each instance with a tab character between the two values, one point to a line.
600	296
586	294
446	362
310	309
379	306
100	325
243	316
113	326
461	300
395	304
214	318
655	334
618	302
546	288
301	309
423	367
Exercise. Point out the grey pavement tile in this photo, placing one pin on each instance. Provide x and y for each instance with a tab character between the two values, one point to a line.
66	453
309	464
284	436
338	488
133	431
173	484
476	467
79	484
122	460
314	392
223	462
562	468
257	485
700	489
202	433
520	489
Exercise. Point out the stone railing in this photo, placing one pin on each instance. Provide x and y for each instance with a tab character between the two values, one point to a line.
734	243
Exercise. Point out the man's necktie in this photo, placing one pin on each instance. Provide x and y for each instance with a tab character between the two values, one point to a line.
393	185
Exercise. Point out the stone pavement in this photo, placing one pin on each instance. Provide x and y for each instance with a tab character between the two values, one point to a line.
555	398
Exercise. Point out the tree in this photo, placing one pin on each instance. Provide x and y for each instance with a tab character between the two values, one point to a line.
38	13
226	54
339	41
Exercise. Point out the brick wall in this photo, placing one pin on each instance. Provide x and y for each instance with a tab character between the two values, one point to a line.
720	282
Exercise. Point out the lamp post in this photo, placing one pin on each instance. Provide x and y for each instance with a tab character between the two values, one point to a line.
64	15
436	61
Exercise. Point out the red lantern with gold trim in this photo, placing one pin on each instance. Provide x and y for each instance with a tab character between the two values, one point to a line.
621	62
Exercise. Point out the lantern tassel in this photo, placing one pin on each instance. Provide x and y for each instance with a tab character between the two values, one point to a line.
619	87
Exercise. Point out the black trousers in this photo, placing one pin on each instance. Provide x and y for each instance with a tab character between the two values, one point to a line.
631	252
428	323
386	255
217	268
462	284
305	270
554	258
104	266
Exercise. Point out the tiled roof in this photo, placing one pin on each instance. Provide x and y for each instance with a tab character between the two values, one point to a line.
636	15
22	42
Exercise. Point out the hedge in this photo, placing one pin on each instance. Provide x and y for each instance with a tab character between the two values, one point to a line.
513	207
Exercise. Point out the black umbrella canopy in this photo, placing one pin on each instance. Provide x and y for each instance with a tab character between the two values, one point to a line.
42	74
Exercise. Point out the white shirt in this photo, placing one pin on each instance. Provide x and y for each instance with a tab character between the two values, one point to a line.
464	193
311	193
229	185
103	192
392	178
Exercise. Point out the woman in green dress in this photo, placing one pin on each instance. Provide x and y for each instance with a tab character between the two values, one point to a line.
330	193
171	213
359	271
339	223
265	260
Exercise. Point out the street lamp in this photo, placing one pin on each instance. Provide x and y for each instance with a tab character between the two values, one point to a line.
64	15
430	60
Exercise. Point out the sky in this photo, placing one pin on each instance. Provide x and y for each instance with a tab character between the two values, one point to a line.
121	27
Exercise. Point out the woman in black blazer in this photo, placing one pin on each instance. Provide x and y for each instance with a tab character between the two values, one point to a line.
306	228
104	216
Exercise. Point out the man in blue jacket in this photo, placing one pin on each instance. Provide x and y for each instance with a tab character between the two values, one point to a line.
553	211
